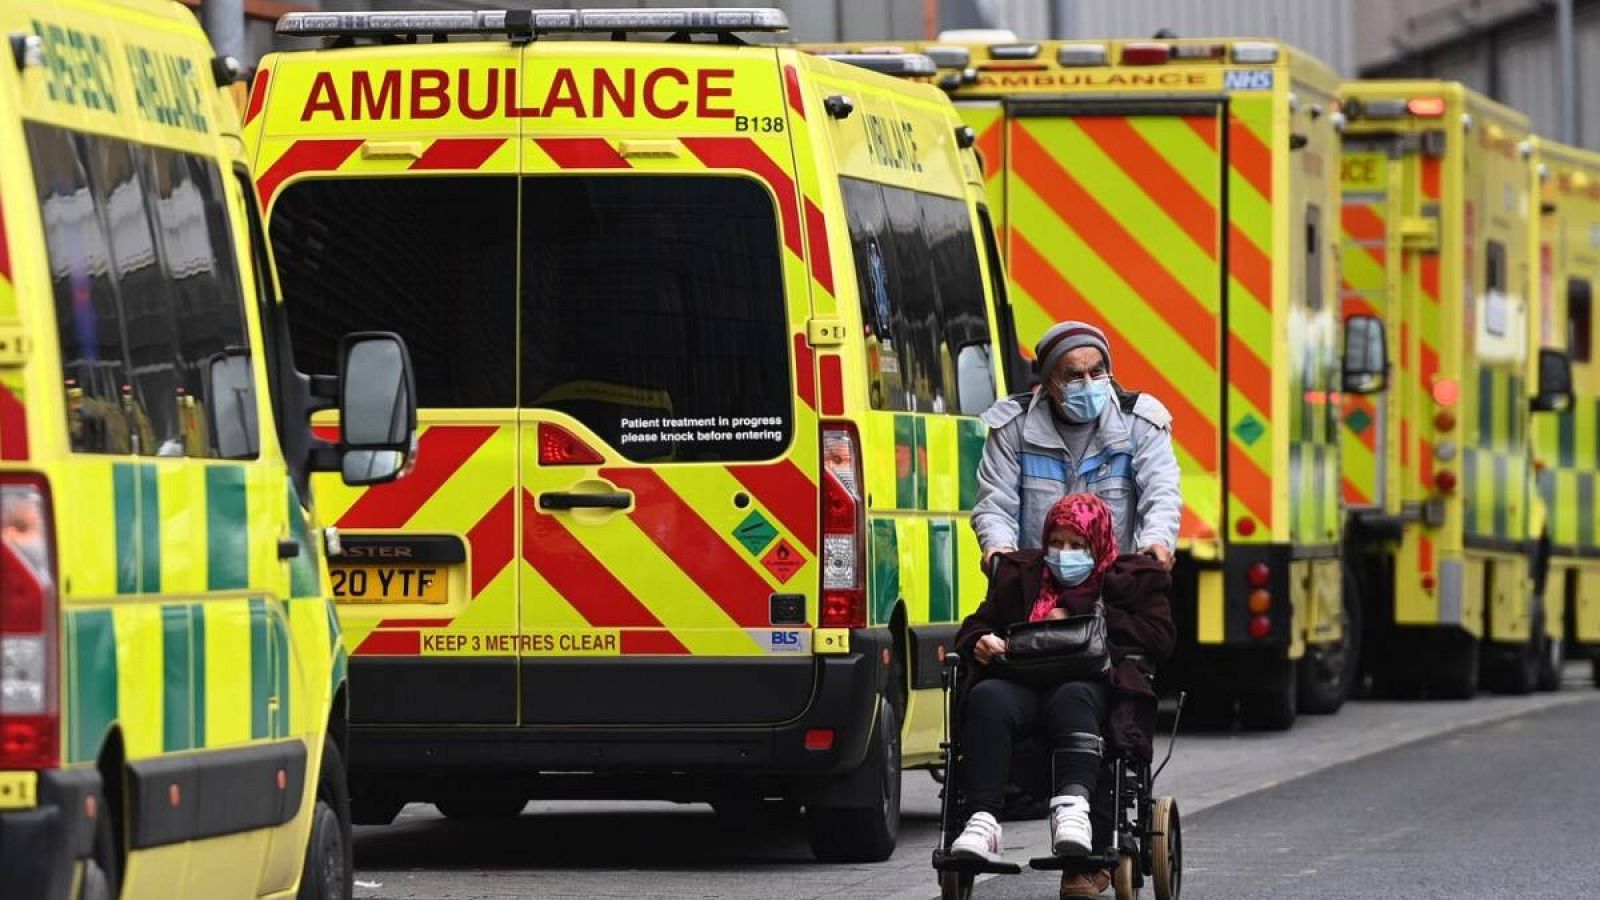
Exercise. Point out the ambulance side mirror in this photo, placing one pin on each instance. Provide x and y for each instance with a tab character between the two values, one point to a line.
377	407
1366	355
1555	381
975	378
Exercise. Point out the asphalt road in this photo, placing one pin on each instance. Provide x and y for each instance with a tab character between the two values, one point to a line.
564	849
1500	810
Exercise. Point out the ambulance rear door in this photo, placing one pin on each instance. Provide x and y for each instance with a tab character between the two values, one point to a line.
669	512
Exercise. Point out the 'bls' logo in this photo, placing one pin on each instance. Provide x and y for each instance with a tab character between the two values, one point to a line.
1248	80
786	639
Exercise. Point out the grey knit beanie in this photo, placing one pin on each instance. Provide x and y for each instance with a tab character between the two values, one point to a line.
1062	339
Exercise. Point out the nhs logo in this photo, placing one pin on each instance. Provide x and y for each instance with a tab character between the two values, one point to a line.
1248	80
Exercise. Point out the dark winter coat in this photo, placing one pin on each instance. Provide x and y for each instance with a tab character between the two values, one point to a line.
1136	591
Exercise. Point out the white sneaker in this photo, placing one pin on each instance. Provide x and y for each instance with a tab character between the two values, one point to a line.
1070	834
980	839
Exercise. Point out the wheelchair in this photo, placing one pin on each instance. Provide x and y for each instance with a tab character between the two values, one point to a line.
1138	835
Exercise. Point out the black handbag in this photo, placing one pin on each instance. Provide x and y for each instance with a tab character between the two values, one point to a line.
1054	651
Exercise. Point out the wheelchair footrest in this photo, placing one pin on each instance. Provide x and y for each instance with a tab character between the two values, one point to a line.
1106	859
966	865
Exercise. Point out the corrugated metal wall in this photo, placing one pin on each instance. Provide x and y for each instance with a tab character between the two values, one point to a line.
1320	27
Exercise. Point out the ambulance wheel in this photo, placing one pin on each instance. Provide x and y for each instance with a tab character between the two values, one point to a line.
1166	849
1122	879
1455	669
481	804
1272	708
1327	679
329	872
866	833
1552	660
100	869
955	886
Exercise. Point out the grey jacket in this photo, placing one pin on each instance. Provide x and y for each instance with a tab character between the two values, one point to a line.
1026	468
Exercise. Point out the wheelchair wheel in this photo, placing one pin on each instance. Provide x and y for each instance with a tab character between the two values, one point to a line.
1124	878
1166	849
955	886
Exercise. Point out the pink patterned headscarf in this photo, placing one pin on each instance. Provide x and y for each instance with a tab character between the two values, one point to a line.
1087	516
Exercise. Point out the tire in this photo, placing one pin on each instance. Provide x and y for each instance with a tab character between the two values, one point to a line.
100	874
1122	879
1455	675
1326	683
476	804
867	833
375	809
1166	850
329	872
1519	674
1273	708
955	886
1552	659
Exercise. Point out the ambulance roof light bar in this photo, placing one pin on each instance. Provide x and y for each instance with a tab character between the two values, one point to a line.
905	65
528	24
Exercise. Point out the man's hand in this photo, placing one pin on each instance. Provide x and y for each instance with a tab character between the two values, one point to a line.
988	647
1162	553
989	555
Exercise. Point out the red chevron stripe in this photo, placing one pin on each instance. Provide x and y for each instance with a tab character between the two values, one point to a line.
303	156
817	241
1249	374
1155	176
1430	177
805	371
744	153
13	426
1190	525
1206	128
1110	240
582	153
1361	222
787	493
494	542
441	450
391	643
1353	492
659	643
1190	427
1354	402
1250	265
1249	156
577	575
258	95
791	85
1251	485
989	149
725	576
831	374
458	153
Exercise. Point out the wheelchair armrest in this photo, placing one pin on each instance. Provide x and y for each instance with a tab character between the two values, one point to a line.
1143	664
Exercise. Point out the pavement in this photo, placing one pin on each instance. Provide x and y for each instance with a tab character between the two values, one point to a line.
580	849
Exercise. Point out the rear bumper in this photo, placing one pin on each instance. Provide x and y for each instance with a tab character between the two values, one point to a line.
40	847
844	699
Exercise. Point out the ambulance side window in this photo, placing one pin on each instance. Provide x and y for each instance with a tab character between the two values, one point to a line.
1580	319
1313	258
149	308
965	349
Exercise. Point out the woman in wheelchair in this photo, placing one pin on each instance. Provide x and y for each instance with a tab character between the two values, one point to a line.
1077	568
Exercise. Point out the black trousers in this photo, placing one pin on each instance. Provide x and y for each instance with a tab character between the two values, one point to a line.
998	713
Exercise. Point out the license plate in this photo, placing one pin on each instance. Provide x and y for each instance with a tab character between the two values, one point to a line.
390	584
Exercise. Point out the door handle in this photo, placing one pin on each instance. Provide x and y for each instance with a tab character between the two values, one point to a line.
566	500
288	548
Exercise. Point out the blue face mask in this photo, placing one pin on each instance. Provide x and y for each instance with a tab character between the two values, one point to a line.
1083	401
1070	567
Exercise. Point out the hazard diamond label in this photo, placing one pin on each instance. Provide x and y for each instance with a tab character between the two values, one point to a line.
755	533
783	561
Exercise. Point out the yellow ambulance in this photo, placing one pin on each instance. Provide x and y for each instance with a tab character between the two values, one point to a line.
1566	257
1447	530
702	330
1180	194
172	696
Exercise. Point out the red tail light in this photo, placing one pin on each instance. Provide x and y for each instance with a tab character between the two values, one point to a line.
30	724
844	529
1260	627
1445	481
1259	574
560	447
